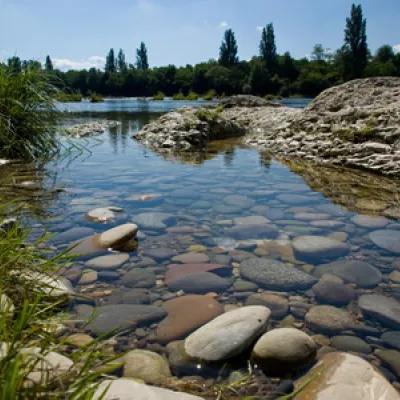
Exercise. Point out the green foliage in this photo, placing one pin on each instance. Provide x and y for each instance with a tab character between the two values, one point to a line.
209	115
228	52
272	97
27	114
179	96
110	62
260	80
210	95
121	63
95	98
359	135
268	47
159	96
142	61
68	97
192	96
48	65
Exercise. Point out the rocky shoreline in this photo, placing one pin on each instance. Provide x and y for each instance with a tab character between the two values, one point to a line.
354	125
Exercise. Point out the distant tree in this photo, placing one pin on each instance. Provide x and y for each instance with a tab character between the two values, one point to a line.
355	47
287	67
319	53
142	61
110	62
121	63
48	65
385	54
31	65
268	47
228	52
14	64
259	80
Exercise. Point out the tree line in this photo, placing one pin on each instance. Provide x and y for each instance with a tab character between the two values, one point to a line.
268	73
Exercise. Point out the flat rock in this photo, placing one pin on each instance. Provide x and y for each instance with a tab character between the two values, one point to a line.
147	366
228	335
159	253
139	278
387	239
88	276
72	234
283	350
334	293
106	214
238	201
296	199
191	258
178	271
384	309
200	283
279	306
128	389
117	236
328	319
317	248
346	377
365	221
185	315
252	220
361	273
275	275
110	262
350	343
123	316
257	231
392	339
152	220
390	358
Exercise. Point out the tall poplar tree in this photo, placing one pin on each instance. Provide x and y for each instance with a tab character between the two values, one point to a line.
355	44
142	61
110	62
121	63
48	65
228	52
268	47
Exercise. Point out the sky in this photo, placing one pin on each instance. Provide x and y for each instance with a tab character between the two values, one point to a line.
79	33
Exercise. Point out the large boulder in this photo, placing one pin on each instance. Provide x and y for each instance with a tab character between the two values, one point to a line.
317	248
283	351
228	335
275	275
346	377
127	389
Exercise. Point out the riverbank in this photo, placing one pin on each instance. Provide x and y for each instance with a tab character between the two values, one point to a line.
354	125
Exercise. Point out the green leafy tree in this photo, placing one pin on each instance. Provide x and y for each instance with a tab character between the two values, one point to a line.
110	62
14	64
260	80
385	54
268	47
121	63
48	65
142	61
228	52
355	47
319	53
287	67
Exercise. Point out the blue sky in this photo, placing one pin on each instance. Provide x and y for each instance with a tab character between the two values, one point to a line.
79	33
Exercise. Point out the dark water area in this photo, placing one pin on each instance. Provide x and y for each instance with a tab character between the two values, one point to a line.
225	206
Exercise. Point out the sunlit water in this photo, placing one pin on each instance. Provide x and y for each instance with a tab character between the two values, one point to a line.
203	194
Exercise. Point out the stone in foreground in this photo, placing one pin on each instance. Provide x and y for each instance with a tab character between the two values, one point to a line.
345	377
228	335
275	275
126	389
384	309
282	351
328	319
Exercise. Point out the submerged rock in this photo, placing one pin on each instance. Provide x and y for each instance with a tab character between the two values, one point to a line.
387	239
384	309
201	282
328	319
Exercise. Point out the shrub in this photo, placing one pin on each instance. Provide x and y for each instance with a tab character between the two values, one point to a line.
178	96
272	97
27	114
95	98
159	96
210	95
192	96
63	97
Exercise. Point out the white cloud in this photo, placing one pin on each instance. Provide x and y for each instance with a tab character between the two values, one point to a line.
397	48
223	24
91	62
260	28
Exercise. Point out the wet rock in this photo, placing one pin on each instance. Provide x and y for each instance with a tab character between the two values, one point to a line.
334	293
392	212
109	262
147	366
88	276
191	258
395	276
361	273
180	362
108	276
387	239
347	377
246	232
279	306
202	282
252	220
152	220
238	201
186	193
317	248
283	350
186	314
244	286
139	278
105	214
350	343
392	339
390	358
133	296
128	389
366	221
328	319
275	275
79	340
123	316
296	199
159	253
117	236
228	335
178	271
384	309
72	234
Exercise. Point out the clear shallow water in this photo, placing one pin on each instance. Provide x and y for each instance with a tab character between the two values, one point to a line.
201	196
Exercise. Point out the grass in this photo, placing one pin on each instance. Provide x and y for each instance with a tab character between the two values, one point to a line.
359	135
210	95
64	97
95	98
179	96
27	114
272	97
192	96
159	96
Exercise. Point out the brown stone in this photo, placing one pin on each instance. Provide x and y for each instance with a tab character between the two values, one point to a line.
191	258
186	314
178	271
